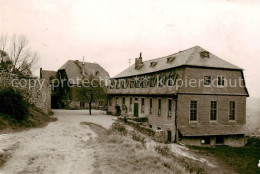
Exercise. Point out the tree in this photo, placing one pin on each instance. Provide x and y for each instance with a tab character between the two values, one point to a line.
91	90
22	58
6	63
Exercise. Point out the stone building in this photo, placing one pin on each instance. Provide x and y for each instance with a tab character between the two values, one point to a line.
191	96
65	81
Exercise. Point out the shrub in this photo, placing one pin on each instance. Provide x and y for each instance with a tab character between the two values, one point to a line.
12	103
138	137
118	127
253	142
163	150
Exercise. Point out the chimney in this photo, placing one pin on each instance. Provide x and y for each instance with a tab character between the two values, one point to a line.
139	62
83	67
40	72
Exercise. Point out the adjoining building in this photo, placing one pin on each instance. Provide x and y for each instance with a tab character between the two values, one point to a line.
65	81
190	95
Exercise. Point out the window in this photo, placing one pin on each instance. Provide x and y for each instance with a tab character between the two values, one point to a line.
170	59
112	84
110	101
205	140
232	110
132	84
213	110
207	80
130	104
117	84
170	80
151	105
169	108
161	81
158	128
151	126
204	54
221	81
144	82
152	81
159	106
193	110
152	64
219	140
142	107
137	83
117	100
82	104
123	83
123	100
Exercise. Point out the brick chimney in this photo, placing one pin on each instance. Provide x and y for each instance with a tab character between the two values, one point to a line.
139	62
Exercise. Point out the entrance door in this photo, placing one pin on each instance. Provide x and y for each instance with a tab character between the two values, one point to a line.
82	105
136	109
169	136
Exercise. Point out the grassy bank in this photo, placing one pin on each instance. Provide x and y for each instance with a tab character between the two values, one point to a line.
35	118
241	159
117	153
118	150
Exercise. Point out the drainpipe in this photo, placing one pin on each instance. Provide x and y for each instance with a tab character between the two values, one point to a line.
176	129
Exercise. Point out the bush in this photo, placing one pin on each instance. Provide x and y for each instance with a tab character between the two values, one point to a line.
253	142
119	127
138	137
12	103
163	150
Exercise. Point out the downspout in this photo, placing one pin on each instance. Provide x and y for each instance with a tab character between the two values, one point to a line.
176	129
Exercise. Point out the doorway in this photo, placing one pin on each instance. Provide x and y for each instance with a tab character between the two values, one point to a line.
169	134
219	139
136	109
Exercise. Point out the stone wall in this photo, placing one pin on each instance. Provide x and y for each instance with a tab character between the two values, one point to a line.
36	91
157	122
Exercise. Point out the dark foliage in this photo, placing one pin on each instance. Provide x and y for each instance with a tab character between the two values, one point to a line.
12	103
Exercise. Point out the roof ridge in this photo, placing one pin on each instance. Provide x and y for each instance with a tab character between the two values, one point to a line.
192	53
170	54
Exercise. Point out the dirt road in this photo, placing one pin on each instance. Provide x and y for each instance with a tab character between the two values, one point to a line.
61	147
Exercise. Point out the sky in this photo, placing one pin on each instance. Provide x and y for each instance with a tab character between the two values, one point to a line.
112	32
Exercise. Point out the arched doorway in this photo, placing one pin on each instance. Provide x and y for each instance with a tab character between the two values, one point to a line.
136	109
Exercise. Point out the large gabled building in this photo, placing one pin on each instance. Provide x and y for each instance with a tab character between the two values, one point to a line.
65	81
189	95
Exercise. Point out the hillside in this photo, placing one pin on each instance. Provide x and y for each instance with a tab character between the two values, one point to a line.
36	118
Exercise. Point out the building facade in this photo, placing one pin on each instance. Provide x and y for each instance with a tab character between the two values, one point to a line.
66	80
193	96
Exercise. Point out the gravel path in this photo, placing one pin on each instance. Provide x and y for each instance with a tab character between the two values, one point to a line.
60	147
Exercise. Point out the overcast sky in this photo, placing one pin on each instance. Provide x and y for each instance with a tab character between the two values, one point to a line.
112	32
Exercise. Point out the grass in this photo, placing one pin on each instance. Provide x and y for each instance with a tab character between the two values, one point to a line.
241	159
35	118
117	152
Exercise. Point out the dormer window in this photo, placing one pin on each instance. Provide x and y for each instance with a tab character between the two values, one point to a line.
170	59
152	64
204	54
